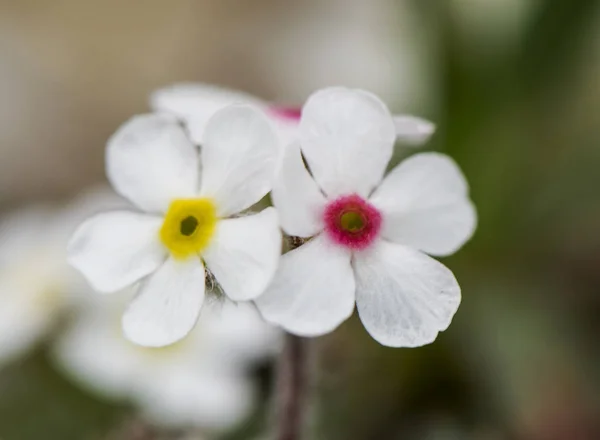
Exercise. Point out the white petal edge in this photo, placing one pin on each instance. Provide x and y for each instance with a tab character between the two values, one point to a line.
151	161
244	253
412	130
313	290
196	103
347	137
240	156
297	197
425	205
404	297
115	249
167	305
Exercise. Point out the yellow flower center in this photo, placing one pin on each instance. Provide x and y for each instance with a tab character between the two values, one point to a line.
189	226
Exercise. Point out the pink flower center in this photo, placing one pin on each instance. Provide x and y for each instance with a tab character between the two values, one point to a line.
289	114
352	222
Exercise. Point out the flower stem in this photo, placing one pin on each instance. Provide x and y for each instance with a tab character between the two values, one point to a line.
292	388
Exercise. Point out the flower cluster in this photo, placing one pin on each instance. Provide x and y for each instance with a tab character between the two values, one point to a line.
195	257
193	168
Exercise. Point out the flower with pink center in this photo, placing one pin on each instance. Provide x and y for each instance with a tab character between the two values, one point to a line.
351	221
194	104
367	237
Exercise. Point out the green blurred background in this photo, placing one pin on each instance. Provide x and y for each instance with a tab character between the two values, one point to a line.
514	86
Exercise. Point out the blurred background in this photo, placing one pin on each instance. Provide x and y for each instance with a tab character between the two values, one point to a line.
514	87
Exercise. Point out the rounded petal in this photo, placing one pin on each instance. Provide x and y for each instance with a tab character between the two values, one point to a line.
116	249
195	104
404	298
239	158
150	161
347	138
313	289
413	130
425	205
168	304
297	197
244	253
210	398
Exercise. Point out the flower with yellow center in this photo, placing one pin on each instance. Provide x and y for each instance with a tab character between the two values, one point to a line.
187	220
189	225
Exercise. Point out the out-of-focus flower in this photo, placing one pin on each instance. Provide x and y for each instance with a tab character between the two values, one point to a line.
201	381
186	222
36	284
368	237
195	104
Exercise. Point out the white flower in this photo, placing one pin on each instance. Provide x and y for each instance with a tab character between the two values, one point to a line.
369	237
186	221
36	284
201	381
196	103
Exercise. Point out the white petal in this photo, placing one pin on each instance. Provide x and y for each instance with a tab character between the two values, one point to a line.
413	130
209	398
244	253
288	131
313	289
404	298
195	104
235	335
239	158
425	205
347	138
297	197
167	305
150	161
116	249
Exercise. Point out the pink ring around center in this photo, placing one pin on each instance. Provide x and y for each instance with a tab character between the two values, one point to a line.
289	114
352	237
